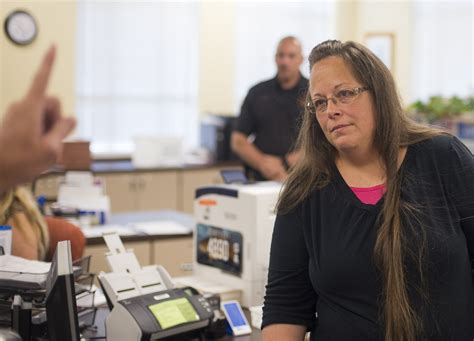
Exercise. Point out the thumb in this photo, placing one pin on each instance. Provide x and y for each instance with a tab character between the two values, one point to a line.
61	128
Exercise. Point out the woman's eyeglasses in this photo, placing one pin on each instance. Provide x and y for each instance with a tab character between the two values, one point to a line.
345	96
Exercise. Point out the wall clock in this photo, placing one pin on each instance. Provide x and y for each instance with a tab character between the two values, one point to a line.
20	27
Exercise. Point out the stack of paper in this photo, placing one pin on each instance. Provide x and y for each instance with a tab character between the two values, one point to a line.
161	227
16	272
98	231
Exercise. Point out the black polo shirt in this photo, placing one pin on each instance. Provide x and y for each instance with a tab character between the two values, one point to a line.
273	115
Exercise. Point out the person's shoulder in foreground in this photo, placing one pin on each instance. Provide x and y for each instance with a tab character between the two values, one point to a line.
443	145
441	141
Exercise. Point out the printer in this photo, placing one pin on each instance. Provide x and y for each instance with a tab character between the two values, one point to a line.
144	303
232	239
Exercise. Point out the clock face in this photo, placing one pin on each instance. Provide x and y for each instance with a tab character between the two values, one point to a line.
20	27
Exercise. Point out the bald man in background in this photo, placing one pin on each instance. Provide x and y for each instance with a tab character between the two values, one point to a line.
271	112
32	131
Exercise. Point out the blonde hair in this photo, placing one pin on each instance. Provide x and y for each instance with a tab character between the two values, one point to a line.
21	200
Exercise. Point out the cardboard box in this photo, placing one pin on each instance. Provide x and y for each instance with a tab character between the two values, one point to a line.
76	155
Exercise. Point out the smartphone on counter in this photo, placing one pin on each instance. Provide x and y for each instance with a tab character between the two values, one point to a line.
236	318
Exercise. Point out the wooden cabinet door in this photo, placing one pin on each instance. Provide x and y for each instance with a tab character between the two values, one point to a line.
142	250
175	254
122	191
98	262
157	191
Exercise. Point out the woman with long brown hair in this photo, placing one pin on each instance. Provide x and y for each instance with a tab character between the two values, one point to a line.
375	227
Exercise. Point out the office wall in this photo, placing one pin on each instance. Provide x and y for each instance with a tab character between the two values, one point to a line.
56	22
217	44
354	20
396	17
346	20
216	57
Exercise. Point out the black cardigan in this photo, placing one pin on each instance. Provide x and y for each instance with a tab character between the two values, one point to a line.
322	252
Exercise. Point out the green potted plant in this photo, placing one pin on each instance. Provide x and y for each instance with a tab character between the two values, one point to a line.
441	111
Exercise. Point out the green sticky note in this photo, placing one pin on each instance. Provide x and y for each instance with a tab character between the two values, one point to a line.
174	312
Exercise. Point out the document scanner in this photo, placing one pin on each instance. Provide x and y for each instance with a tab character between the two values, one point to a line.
143	301
127	278
158	315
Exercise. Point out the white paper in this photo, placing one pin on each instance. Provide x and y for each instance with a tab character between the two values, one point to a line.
98	231
84	201
161	227
79	178
10	263
114	243
86	300
23	273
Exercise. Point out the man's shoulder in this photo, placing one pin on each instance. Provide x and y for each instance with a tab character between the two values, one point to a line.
303	84
263	86
304	80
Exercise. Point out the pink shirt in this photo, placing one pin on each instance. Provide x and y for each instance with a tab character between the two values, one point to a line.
369	195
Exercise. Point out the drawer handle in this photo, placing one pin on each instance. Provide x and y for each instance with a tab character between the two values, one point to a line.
186	266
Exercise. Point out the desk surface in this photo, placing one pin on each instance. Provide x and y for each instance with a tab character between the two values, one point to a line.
126	166
99	333
129	218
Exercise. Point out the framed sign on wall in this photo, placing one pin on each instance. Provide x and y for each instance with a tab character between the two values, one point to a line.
383	45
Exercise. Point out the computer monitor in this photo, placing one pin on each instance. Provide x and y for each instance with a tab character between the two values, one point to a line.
61	309
234	176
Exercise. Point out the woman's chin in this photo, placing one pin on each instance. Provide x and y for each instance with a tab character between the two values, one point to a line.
344	144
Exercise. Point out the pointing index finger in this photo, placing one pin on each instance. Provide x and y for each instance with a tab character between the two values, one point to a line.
40	82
